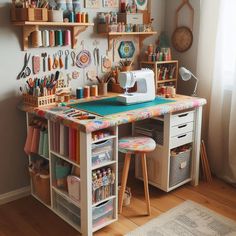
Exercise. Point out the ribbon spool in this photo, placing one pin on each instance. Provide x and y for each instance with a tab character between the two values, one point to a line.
67	40
94	91
45	37
86	91
51	38
36	39
79	93
58	38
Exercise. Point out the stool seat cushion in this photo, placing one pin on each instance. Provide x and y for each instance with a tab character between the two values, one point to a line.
139	144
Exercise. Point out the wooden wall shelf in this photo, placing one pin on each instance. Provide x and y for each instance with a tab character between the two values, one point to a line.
142	35
29	26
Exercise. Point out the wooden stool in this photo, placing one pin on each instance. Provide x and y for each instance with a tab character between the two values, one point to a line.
135	145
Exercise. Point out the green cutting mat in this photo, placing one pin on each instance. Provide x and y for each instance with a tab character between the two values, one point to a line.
109	106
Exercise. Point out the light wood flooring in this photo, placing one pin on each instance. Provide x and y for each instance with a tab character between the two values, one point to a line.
27	217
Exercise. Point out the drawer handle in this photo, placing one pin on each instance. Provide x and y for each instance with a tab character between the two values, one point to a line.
183	115
182	136
182	126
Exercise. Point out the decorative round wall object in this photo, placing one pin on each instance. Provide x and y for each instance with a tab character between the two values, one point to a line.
141	4
126	49
182	38
83	59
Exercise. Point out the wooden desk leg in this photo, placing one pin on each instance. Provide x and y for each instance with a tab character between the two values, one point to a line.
124	180
196	146
145	182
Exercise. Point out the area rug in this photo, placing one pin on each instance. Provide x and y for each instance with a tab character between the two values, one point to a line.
188	219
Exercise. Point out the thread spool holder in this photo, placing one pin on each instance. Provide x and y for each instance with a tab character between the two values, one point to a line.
28	27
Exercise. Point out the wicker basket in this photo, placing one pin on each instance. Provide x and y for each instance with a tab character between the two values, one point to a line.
39	101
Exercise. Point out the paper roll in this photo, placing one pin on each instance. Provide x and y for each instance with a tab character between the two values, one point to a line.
45	37
67	40
58	38
51	38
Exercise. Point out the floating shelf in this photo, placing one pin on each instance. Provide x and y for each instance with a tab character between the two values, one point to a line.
30	26
142	35
159	62
166	81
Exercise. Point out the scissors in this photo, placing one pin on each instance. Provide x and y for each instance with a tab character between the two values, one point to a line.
26	71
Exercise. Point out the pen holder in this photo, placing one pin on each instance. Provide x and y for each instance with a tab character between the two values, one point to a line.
102	89
34	101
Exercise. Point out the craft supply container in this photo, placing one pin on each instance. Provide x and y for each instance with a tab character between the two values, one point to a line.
34	101
55	15
29	14
102	89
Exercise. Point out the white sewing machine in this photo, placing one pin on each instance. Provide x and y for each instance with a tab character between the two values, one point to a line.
145	86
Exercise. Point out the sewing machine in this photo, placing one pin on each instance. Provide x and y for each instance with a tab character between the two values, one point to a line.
145	86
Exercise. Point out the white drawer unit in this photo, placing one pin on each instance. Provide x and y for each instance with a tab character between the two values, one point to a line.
181	118
178	130
181	139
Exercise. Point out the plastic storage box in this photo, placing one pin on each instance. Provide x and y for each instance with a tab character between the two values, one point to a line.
67	209
103	213
180	167
102	152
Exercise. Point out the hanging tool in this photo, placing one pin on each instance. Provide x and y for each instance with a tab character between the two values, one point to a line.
26	71
67	53
49	63
73	57
44	55
96	54
60	54
55	61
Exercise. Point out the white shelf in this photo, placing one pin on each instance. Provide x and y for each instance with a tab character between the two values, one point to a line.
107	199
65	159
104	139
103	165
66	196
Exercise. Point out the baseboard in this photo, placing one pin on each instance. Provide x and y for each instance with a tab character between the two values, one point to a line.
14	195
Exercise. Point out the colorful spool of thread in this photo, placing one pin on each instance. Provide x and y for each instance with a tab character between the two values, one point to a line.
86	91
78	17
45	37
67	40
79	93
58	38
71	17
51	38
37	39
94	90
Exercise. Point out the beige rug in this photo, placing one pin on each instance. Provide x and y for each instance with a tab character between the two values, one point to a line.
188	219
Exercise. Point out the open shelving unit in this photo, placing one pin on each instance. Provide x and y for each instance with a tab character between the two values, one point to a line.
114	35
86	216
30	26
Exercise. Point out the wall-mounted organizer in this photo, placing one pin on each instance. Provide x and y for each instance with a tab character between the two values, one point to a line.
29	27
71	191
170	165
166	72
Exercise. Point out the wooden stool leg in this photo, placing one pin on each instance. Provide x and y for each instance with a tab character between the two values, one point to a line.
145	181
124	180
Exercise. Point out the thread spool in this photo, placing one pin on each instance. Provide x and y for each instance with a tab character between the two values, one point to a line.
45	37
83	17
58	38
94	91
36	39
51	38
86	91
67	40
71	17
79	93
78	17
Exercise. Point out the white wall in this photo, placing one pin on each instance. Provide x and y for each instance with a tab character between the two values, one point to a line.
13	161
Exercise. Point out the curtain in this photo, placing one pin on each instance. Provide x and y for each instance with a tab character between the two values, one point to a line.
220	72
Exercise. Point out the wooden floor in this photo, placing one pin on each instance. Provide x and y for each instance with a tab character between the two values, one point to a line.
27	217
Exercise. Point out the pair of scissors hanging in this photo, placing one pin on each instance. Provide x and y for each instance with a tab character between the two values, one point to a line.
26	71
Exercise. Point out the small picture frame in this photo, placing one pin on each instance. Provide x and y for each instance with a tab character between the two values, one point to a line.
92	4
110	3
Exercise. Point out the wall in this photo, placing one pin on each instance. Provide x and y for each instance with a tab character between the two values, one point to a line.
13	161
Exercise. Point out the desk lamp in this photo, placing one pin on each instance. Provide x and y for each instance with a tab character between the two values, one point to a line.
187	75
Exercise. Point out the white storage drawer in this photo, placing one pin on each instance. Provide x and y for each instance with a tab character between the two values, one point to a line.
181	140
102	152
182	118
103	212
181	129
67	209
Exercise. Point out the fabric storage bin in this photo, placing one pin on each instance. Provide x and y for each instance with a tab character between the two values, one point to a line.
41	186
55	16
180	167
67	209
103	212
102	152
